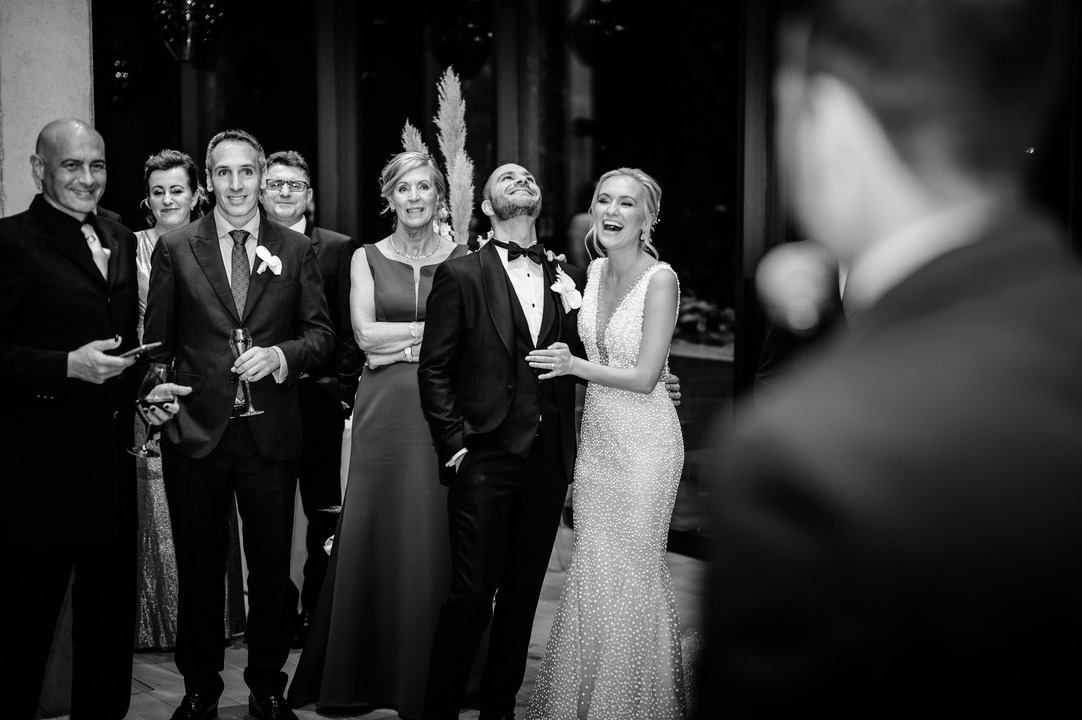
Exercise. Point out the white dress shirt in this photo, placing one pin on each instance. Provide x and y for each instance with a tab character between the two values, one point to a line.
528	279
225	245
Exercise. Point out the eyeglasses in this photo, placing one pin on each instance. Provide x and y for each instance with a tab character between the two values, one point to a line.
294	185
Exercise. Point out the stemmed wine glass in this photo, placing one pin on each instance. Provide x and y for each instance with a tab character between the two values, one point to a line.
152	395
239	342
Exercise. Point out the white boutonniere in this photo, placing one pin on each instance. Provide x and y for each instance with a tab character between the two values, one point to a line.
565	286
269	261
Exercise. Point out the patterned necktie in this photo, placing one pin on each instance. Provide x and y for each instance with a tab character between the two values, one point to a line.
241	275
242	272
100	254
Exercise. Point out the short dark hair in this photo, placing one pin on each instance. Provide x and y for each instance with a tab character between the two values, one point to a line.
167	159
290	158
981	74
236	135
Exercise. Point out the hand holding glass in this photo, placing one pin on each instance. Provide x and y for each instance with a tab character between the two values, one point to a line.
151	394
240	341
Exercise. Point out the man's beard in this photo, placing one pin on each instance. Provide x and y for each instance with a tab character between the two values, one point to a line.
506	208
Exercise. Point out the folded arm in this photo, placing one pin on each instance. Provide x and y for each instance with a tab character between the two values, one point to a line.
375	337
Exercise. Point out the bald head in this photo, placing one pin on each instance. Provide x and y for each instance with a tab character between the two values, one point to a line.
69	165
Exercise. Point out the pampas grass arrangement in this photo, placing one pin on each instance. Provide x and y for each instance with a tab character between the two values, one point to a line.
450	123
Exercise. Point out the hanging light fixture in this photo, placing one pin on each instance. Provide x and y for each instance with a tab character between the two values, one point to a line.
187	26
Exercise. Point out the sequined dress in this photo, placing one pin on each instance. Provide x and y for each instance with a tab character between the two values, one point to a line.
614	650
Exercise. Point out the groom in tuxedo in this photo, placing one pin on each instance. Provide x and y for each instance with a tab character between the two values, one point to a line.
506	442
235	269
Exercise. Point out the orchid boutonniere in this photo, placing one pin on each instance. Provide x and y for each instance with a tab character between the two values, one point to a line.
565	286
269	261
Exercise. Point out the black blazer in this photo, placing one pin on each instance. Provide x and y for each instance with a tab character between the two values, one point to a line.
190	309
898	523
66	474
339	372
467	372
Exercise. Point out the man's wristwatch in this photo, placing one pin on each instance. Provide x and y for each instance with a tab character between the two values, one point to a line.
408	352
415	329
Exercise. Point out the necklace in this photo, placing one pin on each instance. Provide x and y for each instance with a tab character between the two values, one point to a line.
419	256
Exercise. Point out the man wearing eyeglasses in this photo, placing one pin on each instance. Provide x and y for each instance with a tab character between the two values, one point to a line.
326	392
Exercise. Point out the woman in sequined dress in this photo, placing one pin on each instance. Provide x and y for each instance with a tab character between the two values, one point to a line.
173	199
614	650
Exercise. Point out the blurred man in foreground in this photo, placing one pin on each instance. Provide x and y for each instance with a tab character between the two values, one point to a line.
899	524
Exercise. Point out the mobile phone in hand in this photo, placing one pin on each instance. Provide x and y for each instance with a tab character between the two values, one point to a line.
139	350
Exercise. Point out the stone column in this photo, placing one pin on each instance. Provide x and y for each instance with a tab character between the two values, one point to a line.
46	72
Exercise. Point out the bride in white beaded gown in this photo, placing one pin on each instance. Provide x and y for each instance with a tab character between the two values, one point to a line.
614	651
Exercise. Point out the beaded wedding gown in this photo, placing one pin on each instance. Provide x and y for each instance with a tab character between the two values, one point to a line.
614	651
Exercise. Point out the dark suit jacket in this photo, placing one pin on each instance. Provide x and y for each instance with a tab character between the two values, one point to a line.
190	309
899	523
339	372
467	371
66	475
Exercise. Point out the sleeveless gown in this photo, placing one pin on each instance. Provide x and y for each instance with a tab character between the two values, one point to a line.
156	624
390	565
614	650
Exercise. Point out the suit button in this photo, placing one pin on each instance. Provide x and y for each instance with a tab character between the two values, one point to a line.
510	388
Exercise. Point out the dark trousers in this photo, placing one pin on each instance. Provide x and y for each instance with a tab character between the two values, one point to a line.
199	493
103	624
504	511
320	481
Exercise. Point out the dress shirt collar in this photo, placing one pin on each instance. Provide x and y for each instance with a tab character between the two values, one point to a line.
503	255
909	248
223	228
300	225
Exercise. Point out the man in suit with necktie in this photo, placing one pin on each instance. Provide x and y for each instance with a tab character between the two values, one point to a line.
506	442
898	532
68	305
235	269
326	392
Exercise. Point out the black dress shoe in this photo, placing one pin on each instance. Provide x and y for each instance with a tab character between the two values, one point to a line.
197	707
271	707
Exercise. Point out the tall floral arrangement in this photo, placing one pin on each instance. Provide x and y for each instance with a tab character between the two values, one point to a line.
450	123
411	139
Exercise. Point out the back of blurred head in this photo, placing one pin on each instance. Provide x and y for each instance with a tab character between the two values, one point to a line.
889	110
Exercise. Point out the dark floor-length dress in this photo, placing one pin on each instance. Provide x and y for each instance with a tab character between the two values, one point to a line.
389	569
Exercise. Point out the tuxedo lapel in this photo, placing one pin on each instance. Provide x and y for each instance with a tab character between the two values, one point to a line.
208	254
497	296
551	309
108	241
75	252
313	235
270	238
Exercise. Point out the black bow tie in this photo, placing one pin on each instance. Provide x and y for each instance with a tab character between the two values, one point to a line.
535	252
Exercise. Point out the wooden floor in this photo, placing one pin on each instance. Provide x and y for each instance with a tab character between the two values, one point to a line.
157	688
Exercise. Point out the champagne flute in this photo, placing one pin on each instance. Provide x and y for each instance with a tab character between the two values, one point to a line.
152	395
240	341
